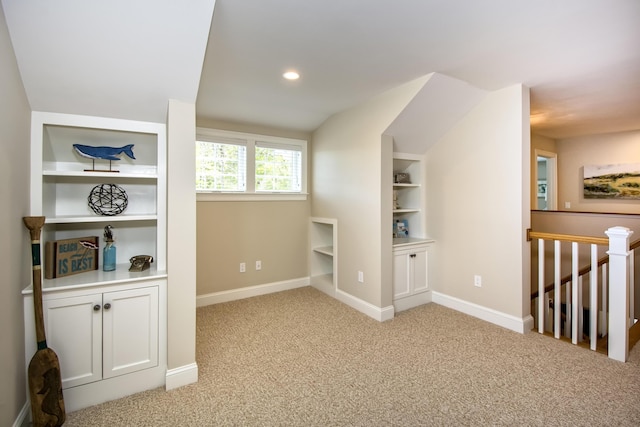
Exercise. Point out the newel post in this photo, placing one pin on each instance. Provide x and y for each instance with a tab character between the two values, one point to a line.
618	292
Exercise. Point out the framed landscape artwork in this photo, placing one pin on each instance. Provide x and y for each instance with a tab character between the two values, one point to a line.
620	181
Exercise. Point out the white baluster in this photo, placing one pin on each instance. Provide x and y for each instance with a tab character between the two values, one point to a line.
604	330
541	295
632	287
574	286
618	292
557	304
548	317
593	298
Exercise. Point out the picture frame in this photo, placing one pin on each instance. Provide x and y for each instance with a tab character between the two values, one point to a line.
614	181
542	188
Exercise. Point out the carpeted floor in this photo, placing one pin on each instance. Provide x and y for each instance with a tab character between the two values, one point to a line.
301	358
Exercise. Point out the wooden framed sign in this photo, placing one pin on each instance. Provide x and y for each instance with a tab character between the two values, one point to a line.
70	256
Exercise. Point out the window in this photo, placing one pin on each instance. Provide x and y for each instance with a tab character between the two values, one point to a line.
230	165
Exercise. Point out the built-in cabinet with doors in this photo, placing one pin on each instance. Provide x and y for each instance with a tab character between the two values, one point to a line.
107	327
410	245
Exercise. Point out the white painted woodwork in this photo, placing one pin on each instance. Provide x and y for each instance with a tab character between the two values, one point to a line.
323	257
632	286
104	353
410	275
74	332
60	185
618	292
557	303
95	344
410	196
593	298
616	285
542	299
575	293
130	331
604	320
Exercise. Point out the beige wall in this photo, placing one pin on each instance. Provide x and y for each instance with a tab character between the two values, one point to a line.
575	153
15	118
349	157
274	232
478	204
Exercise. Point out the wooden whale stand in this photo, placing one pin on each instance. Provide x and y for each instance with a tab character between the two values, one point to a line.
45	383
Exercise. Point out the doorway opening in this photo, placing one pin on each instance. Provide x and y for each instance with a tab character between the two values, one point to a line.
546	180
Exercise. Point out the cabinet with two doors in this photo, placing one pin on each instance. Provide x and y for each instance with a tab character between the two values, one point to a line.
411	273
105	337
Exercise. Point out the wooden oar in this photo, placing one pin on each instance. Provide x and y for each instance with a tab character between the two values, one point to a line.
45	383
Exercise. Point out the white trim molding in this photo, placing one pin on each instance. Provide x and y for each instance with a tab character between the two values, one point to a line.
250	291
380	314
181	376
412	301
23	417
490	315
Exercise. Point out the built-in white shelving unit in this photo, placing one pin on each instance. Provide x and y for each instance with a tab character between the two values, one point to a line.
409	196
108	327
61	184
323	261
410	253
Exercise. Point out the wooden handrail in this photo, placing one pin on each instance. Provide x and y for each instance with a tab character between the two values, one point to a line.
566	237
570	238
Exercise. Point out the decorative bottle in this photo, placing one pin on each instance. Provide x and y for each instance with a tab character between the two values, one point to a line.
109	252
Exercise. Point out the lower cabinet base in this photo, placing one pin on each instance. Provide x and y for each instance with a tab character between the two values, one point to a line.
411	301
86	395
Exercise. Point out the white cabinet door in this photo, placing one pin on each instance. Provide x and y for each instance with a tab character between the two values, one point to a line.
74	331
130	331
409	271
401	274
418	260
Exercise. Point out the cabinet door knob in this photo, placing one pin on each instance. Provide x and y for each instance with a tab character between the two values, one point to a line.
96	307
107	306
412	255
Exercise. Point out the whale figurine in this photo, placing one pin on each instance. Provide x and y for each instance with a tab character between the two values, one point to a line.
106	153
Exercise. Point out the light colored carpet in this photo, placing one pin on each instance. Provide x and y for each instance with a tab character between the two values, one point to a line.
301	358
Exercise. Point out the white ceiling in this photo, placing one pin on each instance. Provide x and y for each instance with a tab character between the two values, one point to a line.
123	58
115	58
581	58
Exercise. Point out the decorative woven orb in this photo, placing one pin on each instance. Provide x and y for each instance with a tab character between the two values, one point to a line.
108	199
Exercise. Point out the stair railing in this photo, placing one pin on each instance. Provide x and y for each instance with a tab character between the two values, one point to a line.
616	279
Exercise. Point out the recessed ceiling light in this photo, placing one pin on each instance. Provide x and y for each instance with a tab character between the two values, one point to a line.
291	75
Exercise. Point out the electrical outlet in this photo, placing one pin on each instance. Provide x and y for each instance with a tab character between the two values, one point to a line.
360	277
477	281
243	267
258	265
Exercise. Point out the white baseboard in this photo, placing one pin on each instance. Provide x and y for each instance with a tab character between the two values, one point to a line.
250	291
412	301
490	315
377	313
181	376
23	416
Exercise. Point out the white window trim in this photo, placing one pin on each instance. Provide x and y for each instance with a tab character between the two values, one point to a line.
206	134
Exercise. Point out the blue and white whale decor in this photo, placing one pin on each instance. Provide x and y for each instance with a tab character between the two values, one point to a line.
103	153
